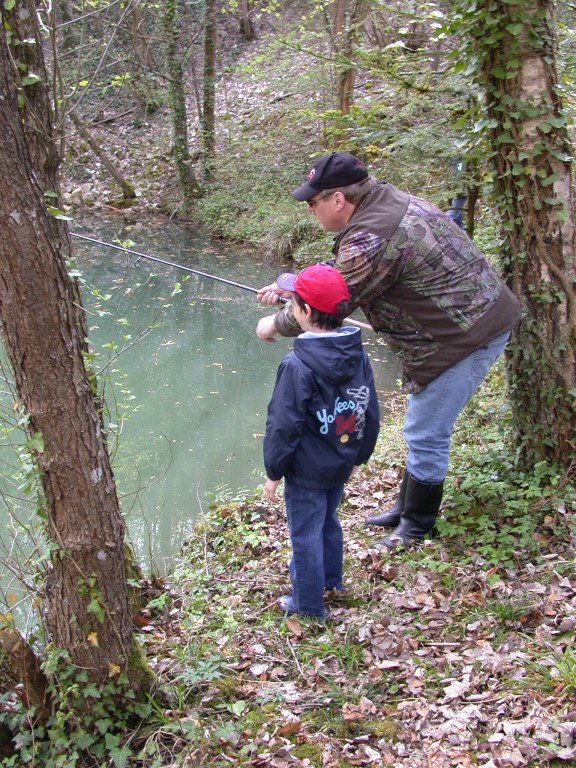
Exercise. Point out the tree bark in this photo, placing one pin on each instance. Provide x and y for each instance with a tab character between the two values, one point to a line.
346	18
191	190
535	192
246	25
44	332
128	192
25	668
69	33
209	82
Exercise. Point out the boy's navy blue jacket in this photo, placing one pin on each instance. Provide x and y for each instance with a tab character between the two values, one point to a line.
323	417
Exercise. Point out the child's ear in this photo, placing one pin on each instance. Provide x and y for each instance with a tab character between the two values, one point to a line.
307	310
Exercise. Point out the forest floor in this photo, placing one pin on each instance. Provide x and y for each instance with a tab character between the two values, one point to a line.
423	661
431	657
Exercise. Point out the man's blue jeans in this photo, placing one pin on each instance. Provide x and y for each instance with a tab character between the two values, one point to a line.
317	545
432	413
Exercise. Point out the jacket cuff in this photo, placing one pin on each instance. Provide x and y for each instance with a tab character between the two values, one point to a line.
285	323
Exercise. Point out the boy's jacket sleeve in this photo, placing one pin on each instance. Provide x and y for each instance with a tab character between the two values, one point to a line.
286	419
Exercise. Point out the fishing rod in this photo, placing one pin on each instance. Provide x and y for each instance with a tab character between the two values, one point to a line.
348	320
165	262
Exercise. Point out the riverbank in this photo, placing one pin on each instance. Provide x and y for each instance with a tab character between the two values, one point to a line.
437	656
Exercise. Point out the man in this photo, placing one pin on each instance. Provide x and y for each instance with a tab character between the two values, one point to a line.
439	303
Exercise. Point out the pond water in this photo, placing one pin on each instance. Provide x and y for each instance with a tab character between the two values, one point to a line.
186	369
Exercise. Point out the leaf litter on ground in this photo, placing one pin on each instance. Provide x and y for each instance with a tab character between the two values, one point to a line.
424	660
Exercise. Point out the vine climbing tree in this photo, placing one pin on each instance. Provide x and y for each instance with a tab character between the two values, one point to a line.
43	329
173	20
510	49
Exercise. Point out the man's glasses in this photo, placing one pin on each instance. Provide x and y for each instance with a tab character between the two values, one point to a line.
315	200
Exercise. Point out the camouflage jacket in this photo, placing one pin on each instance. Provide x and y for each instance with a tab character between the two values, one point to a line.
420	281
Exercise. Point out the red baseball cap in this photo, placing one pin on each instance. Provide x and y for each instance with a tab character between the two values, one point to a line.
321	286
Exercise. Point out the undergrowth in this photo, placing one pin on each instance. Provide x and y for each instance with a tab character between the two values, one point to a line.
501	514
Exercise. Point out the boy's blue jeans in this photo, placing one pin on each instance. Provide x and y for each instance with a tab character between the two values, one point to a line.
432	413
317	545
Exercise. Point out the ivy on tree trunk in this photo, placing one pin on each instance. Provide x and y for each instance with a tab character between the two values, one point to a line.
511	48
191	189
209	83
44	334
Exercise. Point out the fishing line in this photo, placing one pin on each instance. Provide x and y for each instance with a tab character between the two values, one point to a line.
140	255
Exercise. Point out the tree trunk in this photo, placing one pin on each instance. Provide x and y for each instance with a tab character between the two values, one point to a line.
191	190
347	15
208	128
246	25
69	33
25	669
43	329
140	61
128	192
535	196
141	42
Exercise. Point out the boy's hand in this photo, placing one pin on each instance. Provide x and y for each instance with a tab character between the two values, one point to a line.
270	489
266	330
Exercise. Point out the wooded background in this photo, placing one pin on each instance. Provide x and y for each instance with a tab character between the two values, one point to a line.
212	112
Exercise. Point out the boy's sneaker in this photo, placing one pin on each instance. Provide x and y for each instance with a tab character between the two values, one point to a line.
286	605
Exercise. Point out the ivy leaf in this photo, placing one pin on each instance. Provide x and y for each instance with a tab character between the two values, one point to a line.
9	5
238	707
514	29
58	214
498	72
120	756
566	158
31	79
36	442
505	138
91	690
550	180
104	724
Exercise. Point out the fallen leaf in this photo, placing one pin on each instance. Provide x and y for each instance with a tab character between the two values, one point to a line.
258	669
290	728
294	626
456	689
361	711
113	669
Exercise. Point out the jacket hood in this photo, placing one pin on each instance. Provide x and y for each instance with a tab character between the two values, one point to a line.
380	211
335	358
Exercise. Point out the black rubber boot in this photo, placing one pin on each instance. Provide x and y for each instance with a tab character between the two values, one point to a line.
391	517
421	507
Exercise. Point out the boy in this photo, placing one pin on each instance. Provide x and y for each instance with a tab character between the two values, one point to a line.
323	420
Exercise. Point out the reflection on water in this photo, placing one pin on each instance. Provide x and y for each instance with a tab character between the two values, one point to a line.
199	381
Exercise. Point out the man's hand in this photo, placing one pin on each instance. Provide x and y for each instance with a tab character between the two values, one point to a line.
266	330
270	294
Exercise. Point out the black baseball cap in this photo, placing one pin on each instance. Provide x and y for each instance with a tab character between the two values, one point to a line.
335	170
